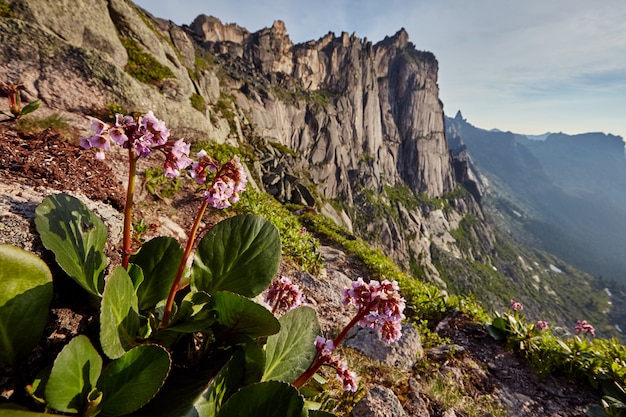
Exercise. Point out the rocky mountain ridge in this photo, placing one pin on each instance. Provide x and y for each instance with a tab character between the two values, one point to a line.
564	194
340	125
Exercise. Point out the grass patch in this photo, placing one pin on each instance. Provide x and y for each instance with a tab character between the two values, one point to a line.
5	10
158	185
143	66
198	102
34	124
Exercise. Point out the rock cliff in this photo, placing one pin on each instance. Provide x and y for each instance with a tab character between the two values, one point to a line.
353	128
340	125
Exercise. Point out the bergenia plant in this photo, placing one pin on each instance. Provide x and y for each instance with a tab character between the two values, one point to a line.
155	310
582	327
379	306
12	92
141	135
229	179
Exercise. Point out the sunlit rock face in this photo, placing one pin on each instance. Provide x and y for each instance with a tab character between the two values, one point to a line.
357	117
380	120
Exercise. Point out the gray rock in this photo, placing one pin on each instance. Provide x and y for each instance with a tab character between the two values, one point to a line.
401	355
379	402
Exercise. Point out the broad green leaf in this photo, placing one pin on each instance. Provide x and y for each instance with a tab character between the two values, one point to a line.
119	315
74	375
159	259
222	386
131	381
30	107
201	390
255	362
25	294
290	352
240	254
495	332
267	399
240	316
195	313
136	275
76	236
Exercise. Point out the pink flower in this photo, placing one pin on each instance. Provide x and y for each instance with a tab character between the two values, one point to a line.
584	327
143	134
229	180
177	159
541	325
515	306
347	377
325	348
380	304
283	295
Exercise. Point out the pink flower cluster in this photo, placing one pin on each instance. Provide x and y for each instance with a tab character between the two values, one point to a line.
143	134
325	349
283	295
229	179
381	306
541	325
584	327
515	306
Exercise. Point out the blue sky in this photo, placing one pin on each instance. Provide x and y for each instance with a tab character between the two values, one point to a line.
529	66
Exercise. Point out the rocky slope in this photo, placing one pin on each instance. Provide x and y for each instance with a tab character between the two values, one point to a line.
564	194
357	117
465	373
341	125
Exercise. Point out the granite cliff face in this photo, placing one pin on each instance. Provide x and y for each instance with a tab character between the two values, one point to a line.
361	117
352	128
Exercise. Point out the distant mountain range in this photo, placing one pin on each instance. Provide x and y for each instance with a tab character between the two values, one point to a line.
563	193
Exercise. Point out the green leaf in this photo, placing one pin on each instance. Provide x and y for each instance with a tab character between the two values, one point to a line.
495	332
31	107
240	316
119	315
74	375
201	390
77	238
222	386
159	259
290	352
195	313
255	362
131	381
25	294
136	275
240	254
267	399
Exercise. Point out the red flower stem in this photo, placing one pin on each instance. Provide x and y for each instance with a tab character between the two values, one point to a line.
359	316
181	267
319	361
128	208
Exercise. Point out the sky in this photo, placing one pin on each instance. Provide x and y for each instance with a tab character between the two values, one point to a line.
530	67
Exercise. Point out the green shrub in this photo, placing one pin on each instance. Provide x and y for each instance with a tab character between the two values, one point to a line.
198	102
142	65
5	10
33	124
